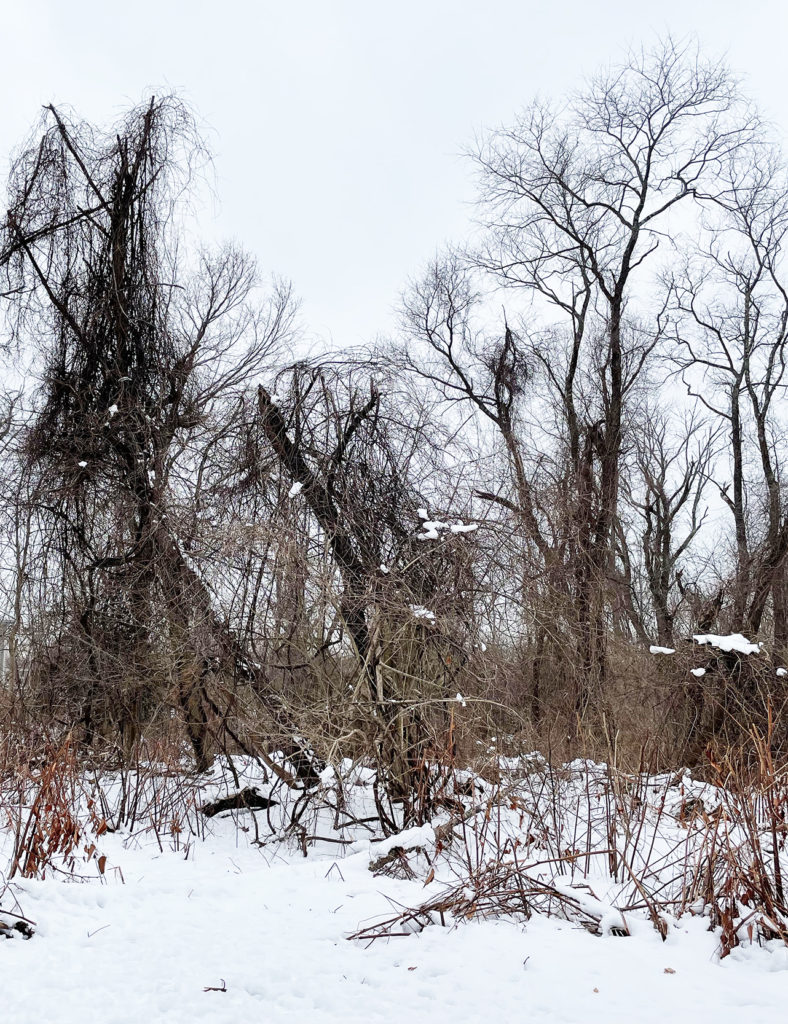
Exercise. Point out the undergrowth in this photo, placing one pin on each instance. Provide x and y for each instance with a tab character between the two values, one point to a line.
512	836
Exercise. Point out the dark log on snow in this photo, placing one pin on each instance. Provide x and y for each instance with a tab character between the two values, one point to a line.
247	800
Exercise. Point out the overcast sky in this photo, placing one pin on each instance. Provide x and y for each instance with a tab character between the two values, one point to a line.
338	125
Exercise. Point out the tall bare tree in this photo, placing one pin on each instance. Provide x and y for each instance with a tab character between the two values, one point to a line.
732	298
574	202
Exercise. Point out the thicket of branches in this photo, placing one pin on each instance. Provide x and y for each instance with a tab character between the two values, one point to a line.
571	450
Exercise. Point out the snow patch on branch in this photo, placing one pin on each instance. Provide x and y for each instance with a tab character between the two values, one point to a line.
733	642
433	527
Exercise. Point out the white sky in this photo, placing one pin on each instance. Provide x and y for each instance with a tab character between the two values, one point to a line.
337	126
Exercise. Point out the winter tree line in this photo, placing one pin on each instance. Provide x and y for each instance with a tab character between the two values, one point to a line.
570	450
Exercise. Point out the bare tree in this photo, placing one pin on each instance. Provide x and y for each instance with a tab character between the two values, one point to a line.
139	357
353	456
574	201
732	357
671	473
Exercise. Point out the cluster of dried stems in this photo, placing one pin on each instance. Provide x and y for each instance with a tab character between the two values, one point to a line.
544	844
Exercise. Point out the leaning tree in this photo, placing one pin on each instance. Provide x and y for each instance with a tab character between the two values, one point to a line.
140	351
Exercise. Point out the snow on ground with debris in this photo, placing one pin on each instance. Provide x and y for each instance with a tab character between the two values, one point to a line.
237	925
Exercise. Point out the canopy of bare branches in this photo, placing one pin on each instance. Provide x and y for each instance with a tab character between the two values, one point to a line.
571	452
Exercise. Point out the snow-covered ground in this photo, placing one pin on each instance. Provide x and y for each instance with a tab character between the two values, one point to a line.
218	927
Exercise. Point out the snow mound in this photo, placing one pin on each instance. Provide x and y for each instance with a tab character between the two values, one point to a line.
418	838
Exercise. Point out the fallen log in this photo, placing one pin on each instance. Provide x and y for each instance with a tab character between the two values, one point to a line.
249	799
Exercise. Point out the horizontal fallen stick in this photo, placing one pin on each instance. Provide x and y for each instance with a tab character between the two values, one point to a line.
247	800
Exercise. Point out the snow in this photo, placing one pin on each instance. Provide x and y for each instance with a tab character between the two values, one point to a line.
239	909
113	409
733	642
420	612
275	934
782	672
698	672
463	528
82	464
295	489
433	527
461	700
409	839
